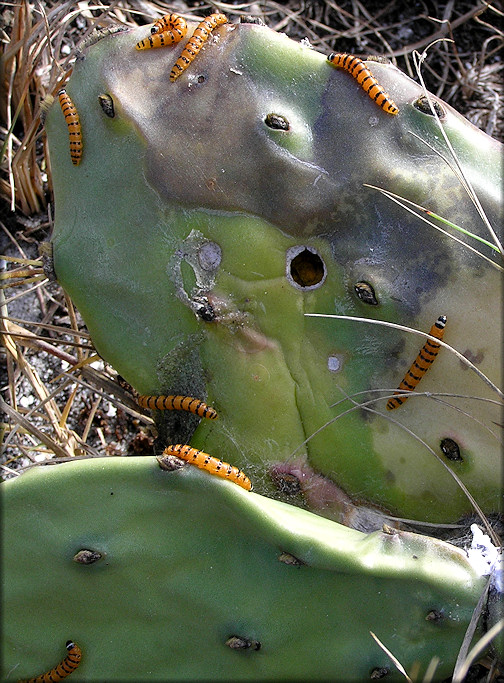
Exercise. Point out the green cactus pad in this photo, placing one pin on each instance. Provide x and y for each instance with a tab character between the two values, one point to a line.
199	229
188	576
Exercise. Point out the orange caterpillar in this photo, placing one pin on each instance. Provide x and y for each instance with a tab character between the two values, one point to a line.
176	402
211	465
170	29
74	126
195	44
63	669
421	364
363	75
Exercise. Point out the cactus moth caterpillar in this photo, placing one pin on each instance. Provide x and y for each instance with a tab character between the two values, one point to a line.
63	669
177	402
194	45
74	127
365	78
421	364
212	465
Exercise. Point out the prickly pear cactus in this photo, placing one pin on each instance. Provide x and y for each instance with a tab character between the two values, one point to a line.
160	575
209	215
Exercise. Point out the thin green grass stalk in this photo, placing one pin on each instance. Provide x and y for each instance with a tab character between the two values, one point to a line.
391	195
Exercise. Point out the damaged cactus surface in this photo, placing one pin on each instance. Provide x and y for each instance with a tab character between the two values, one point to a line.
209	215
171	575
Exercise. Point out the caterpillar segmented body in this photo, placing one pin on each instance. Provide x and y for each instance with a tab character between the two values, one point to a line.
421	364
168	30
177	402
63	669
195	43
365	78
74	126
212	465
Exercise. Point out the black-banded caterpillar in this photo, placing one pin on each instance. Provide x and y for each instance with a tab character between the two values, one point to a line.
63	669
212	465
168	30
74	127
421	364
365	78
178	402
195	43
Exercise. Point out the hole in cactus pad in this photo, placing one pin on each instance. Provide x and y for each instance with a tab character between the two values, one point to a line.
204	309
305	269
434	615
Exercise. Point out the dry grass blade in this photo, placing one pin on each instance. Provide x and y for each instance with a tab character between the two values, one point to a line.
33	341
37	342
431	670
477	650
26	280
47	326
394	659
32	412
54	433
24	261
463	660
40	390
32	429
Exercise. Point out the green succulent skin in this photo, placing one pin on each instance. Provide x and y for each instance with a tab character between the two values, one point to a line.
188	560
170	174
